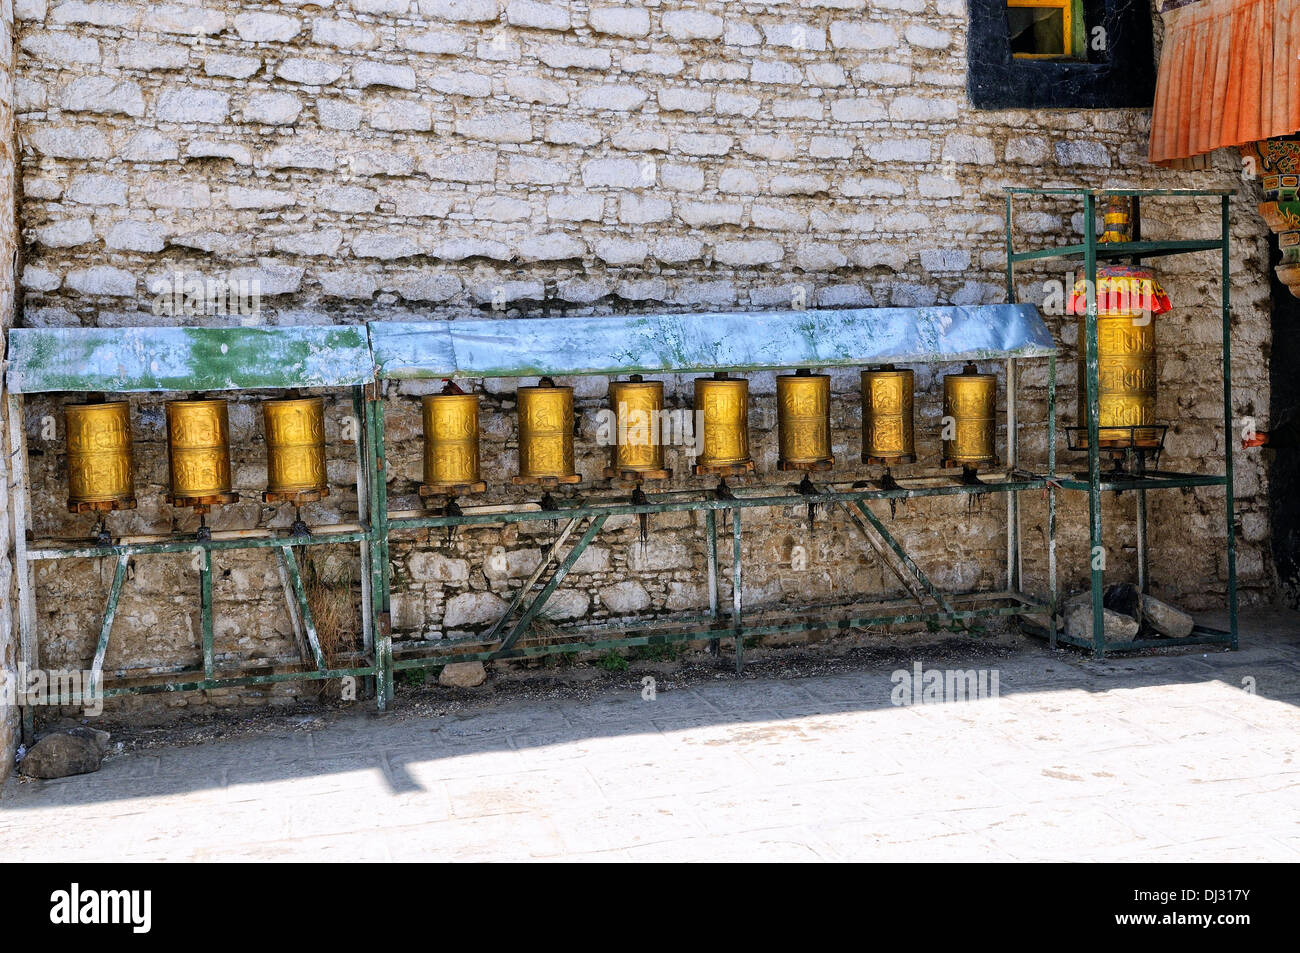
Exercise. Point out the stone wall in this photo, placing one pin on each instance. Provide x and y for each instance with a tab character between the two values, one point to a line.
413	158
8	250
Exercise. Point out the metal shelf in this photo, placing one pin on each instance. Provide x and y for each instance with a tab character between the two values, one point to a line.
1096	480
1113	251
1157	480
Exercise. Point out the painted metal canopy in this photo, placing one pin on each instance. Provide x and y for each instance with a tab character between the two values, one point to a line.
765	340
122	360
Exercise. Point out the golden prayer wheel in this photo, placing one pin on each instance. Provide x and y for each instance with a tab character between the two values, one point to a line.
723	404
100	471
1126	381
803	414
546	434
887	430
1127	299
1118	218
198	451
451	444
969	407
295	450
638	451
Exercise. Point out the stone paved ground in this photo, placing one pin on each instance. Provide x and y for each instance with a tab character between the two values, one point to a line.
1144	759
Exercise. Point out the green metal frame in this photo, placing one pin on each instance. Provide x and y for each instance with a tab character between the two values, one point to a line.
1098	483
502	641
154	360
716	625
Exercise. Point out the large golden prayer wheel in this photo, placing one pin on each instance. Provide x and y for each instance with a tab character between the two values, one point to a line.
969	407
295	450
198	451
1126	381
100	471
1127	299
638	451
546	434
888	436
803	415
722	405
451	462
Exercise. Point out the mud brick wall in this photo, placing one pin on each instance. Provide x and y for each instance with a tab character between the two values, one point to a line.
365	159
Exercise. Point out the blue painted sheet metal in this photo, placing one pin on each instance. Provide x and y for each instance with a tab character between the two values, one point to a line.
121	360
705	342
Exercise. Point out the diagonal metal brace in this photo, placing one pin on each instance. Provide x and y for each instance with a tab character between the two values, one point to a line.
881	550
527	587
561	571
289	564
905	559
110	610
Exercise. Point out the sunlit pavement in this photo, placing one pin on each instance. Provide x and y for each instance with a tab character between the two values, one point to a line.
1139	759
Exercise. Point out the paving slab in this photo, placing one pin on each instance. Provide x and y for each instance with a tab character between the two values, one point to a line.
1177	756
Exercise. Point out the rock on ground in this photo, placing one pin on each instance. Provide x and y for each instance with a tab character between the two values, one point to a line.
1166	619
463	675
79	751
1078	620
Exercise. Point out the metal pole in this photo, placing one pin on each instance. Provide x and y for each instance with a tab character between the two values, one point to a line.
1143	578
1096	554
290	563
205	612
363	517
21	506
379	551
1013	499
1051	498
110	610
1228	489
711	555
736	625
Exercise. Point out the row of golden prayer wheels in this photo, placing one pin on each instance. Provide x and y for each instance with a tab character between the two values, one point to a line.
101	470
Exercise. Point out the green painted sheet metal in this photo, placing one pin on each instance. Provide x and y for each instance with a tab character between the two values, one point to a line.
764	340
123	360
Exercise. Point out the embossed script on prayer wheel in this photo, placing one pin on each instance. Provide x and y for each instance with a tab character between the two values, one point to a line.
198	449
638	450
295	450
723	405
887	428
1126	381
100	472
546	434
451	444
803	408
969	402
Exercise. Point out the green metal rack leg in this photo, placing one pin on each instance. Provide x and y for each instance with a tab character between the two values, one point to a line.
736	622
205	611
1096	549
1230	518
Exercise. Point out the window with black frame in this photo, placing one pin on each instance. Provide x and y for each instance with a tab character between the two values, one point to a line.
1083	54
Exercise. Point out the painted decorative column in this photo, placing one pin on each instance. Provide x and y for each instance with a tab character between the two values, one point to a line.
1278	166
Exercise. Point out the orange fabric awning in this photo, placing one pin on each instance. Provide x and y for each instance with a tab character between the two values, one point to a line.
1229	75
